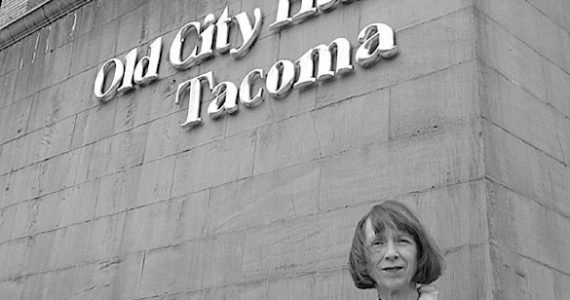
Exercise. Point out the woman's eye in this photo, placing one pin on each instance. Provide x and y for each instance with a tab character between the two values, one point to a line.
377	243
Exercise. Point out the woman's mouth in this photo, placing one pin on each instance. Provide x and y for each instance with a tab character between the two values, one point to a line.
392	269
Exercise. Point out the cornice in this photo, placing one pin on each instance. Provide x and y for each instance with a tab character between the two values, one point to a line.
40	16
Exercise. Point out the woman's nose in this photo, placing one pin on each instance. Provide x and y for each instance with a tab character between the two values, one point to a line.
391	251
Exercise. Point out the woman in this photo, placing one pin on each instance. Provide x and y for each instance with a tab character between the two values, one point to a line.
393	253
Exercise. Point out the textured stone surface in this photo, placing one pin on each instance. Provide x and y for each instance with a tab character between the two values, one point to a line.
14	118
518	112
522	168
524	278
403	166
529	247
468	275
512	57
554	10
286	143
94	47
440	100
529	229
233	159
193	218
548	39
340	128
22	184
265	199
94	124
8	86
403	14
557	88
525	133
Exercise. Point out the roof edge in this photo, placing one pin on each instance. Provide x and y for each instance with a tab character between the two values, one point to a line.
40	16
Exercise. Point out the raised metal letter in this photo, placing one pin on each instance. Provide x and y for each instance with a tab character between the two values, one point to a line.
198	54
249	34
280	78
149	63
207	38
225	100
307	9
100	94
245	89
178	44
222	32
325	62
325	5
282	18
195	86
378	41
130	62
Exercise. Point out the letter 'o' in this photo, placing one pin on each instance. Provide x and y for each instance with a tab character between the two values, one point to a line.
280	78
98	89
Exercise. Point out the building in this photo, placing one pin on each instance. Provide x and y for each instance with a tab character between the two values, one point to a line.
468	125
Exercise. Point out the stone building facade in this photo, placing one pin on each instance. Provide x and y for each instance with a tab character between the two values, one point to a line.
468	125
12	10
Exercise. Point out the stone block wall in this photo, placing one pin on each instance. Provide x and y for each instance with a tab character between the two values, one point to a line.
524	69
468	125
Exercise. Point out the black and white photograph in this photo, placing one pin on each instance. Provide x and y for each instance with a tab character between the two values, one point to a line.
284	149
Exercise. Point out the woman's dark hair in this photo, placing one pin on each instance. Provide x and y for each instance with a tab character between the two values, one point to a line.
395	215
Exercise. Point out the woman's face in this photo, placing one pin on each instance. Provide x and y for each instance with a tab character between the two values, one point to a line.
391	258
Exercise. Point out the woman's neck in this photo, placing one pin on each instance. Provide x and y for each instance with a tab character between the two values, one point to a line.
406	294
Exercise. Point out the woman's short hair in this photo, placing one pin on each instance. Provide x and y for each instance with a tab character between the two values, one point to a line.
395	215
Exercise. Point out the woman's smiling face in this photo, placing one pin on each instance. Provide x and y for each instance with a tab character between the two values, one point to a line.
391	257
